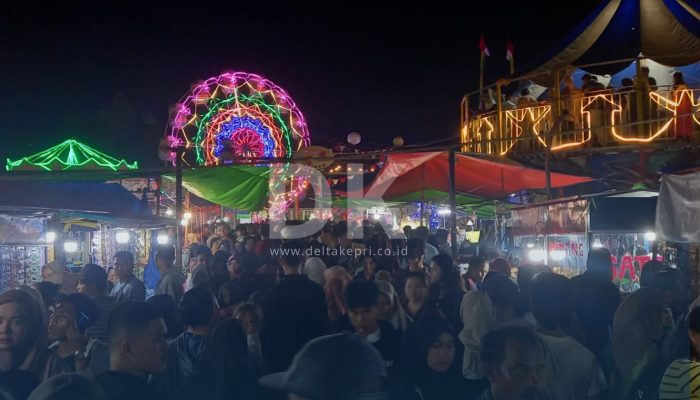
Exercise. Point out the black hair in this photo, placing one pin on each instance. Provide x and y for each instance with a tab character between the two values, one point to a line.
599	263
667	279
502	291
419	275
130	316
248	308
202	250
93	274
525	275
166	304
292	253
17	383
125	256
493	345
552	298
166	252
48	290
649	271
525	92
415	247
196	305
85	309
694	320
361	294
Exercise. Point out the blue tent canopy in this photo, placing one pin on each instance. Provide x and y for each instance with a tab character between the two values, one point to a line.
666	31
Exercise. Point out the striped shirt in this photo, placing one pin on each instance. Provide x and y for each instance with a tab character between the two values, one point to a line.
99	329
681	381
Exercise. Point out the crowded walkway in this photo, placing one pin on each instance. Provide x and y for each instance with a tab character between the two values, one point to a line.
255	318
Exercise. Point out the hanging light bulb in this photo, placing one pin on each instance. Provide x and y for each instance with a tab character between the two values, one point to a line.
163	238
70	246
187	215
169	212
122	237
50	237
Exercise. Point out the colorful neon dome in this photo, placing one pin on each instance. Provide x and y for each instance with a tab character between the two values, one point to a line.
69	155
237	115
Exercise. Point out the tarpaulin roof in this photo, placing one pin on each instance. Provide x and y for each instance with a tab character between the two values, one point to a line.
664	30
94	199
407	173
241	187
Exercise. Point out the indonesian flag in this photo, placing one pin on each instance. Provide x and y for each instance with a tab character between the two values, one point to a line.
510	50
484	51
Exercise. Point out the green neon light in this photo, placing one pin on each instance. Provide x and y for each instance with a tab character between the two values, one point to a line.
70	154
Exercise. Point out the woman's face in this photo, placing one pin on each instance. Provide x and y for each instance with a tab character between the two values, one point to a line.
415	290
384	306
435	273
46	274
14	326
441	353
234	269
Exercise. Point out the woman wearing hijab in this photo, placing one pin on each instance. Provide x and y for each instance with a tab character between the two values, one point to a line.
23	341
638	329
226	370
445	291
432	365
390	308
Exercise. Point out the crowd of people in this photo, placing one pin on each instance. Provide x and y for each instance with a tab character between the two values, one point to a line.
255	318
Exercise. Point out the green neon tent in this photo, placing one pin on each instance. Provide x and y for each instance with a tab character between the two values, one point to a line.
240	187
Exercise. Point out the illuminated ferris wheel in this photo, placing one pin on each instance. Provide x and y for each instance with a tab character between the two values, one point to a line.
237	115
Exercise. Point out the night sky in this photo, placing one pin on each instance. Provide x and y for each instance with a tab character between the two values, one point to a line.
107	76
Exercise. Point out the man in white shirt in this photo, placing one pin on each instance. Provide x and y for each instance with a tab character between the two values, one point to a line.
572	371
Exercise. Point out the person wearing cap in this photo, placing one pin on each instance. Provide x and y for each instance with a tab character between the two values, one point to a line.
294	311
171	279
129	288
92	282
73	315
361	298
339	367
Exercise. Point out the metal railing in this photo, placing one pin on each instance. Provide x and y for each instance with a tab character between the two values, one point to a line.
599	118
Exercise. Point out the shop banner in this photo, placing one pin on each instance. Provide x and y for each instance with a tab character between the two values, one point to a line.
568	252
22	231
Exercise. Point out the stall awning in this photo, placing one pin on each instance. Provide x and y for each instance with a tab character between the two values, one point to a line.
404	174
96	199
240	187
484	208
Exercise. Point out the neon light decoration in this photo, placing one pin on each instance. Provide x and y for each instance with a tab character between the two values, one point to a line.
237	115
70	154
535	119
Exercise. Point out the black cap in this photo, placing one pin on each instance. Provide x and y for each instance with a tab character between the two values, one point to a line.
93	274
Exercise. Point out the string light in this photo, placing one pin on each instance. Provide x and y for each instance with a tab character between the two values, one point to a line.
70	154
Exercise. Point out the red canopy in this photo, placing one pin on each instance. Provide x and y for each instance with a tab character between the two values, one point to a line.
405	173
